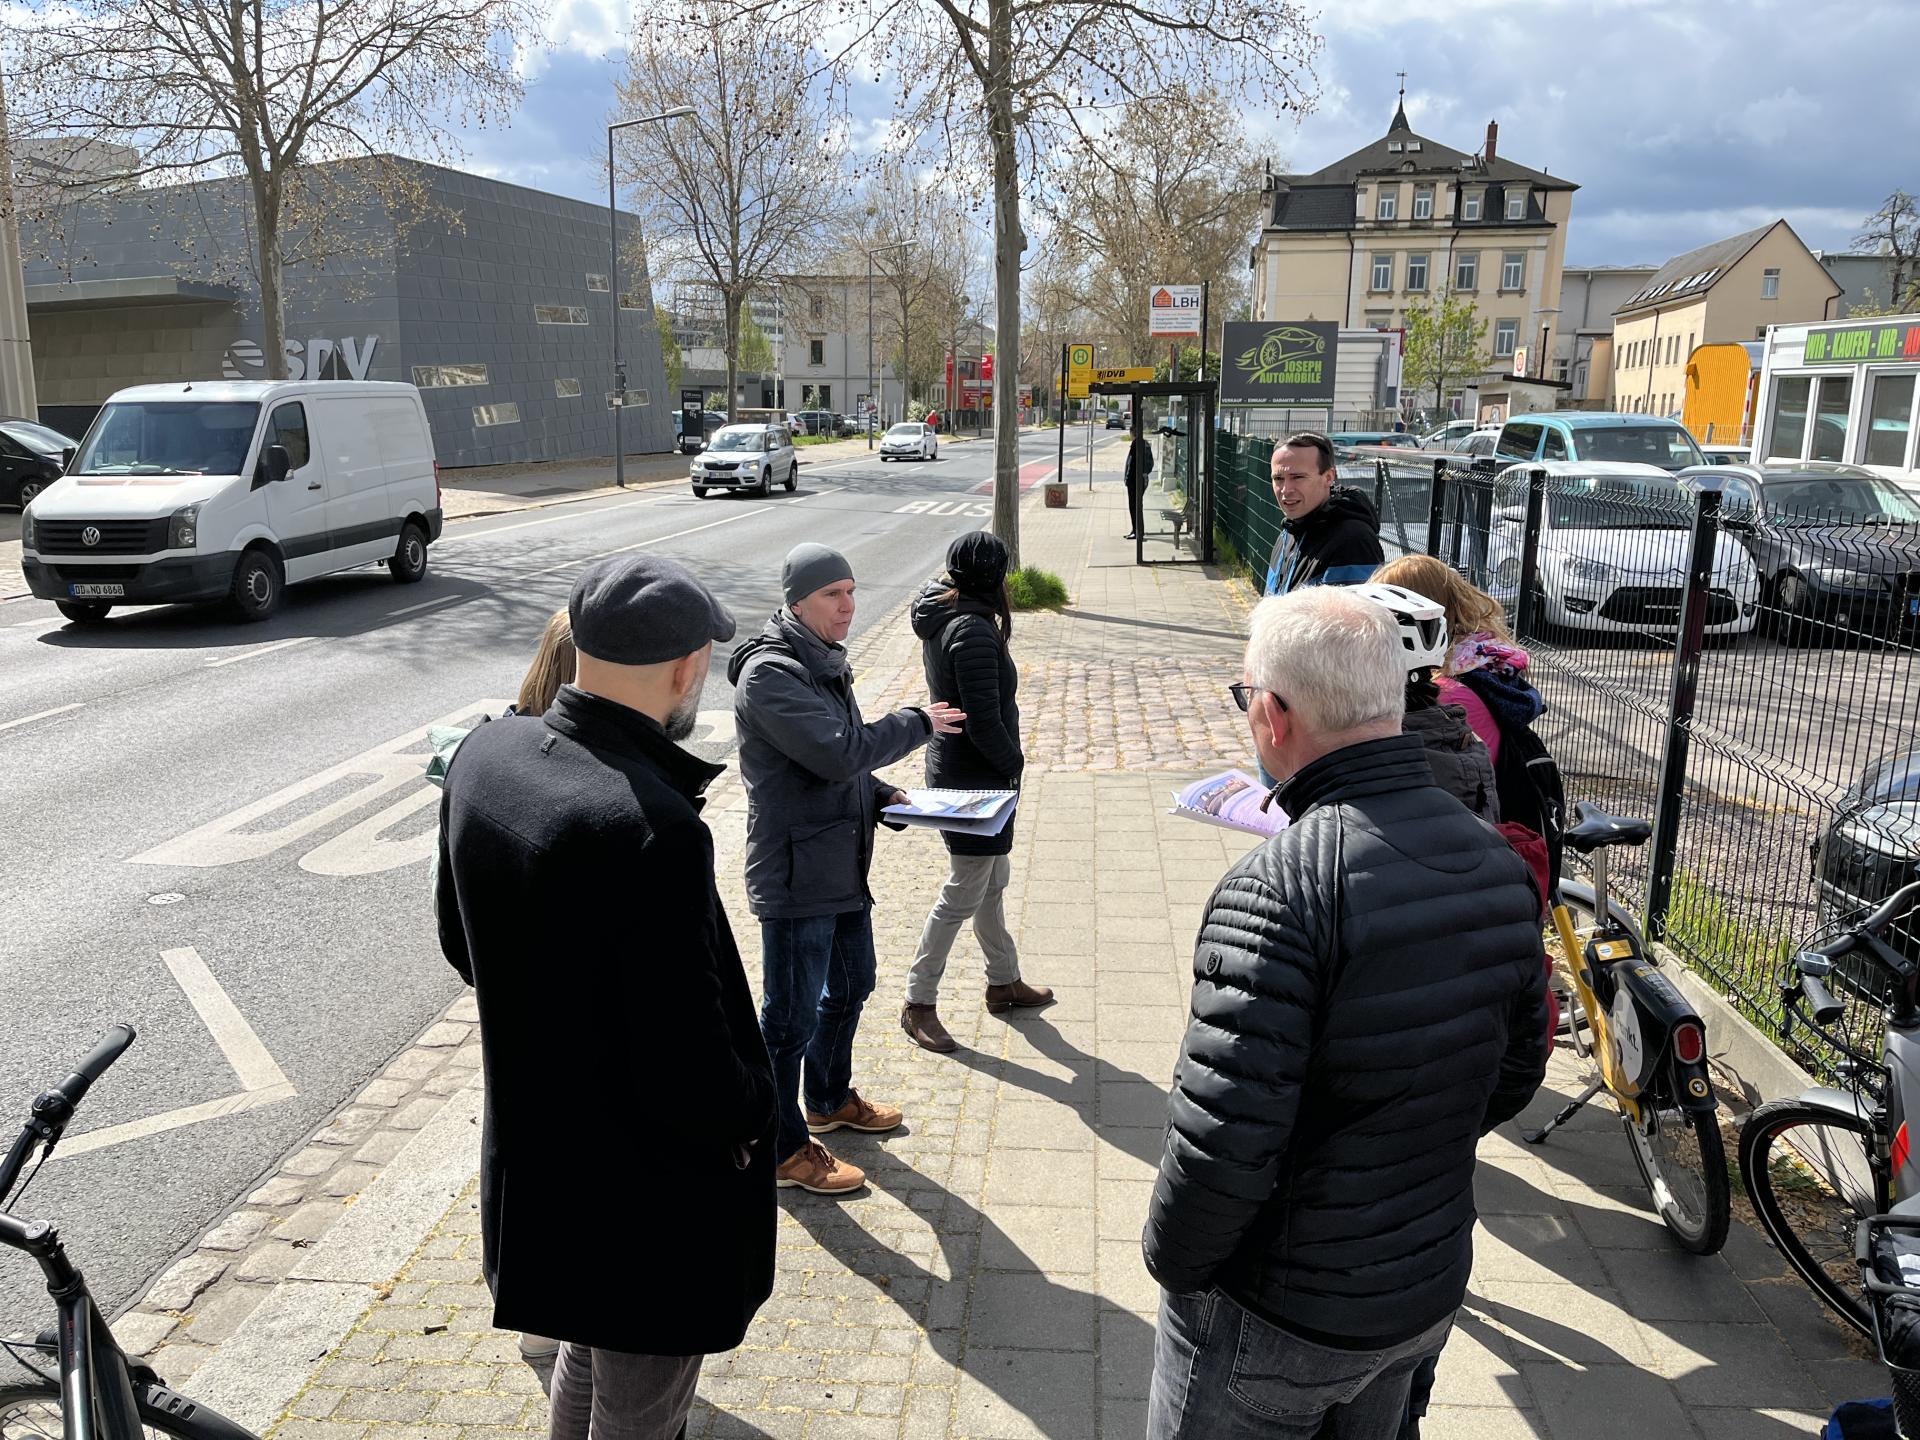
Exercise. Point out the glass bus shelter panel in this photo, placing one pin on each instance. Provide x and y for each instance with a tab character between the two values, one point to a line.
1171	508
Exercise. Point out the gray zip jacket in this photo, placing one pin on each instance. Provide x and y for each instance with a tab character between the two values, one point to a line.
808	758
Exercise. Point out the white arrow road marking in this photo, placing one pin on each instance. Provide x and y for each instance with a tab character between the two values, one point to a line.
262	1082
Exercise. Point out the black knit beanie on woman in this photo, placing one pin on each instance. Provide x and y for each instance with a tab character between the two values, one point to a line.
977	561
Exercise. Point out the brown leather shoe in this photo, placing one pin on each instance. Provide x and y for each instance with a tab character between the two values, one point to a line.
923	1027
856	1114
1017	996
817	1169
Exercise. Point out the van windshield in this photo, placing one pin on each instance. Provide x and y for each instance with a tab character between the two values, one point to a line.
1668	446
169	437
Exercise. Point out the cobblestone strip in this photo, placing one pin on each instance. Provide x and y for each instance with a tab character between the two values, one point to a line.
204	1295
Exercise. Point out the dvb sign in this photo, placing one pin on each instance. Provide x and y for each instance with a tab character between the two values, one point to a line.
316	359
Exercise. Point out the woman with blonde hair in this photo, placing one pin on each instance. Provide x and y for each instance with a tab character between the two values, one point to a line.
553	666
1485	671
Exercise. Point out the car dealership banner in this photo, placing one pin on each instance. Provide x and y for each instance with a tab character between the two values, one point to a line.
1279	362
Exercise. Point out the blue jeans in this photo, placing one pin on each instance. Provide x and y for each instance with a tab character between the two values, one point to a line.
816	974
1221	1373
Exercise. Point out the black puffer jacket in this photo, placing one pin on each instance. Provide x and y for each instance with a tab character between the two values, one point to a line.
1460	762
968	666
1335	544
1369	998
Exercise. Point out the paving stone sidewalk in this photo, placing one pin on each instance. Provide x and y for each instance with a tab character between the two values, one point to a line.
988	1283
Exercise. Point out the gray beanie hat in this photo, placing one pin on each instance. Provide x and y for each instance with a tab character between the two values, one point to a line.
811	567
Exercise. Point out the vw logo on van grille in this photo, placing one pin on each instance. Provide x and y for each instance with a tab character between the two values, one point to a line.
90	536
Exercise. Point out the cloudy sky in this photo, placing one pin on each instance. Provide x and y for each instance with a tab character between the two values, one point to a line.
1682	120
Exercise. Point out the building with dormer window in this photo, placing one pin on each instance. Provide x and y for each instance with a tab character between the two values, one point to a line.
1392	224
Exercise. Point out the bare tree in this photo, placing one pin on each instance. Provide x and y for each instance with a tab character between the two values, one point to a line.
268	92
738	193
1033	75
1173	195
1894	231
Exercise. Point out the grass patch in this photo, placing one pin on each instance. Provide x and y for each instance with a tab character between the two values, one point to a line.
1031	589
799	440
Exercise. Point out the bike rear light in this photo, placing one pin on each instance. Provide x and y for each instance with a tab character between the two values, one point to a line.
1689	1043
1901	1146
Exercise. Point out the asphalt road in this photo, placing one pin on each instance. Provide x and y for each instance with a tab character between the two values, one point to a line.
193	808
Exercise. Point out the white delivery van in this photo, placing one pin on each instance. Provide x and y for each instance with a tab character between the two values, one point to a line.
231	490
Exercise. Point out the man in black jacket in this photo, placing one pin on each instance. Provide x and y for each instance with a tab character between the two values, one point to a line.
1330	535
1369	998
576	894
813	800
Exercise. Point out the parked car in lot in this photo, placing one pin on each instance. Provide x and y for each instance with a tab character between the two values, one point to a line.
1347	439
910	440
1476	444
1613	551
746	457
1598	435
32	457
1868	849
1726	454
1449	435
233	490
1837	547
818	422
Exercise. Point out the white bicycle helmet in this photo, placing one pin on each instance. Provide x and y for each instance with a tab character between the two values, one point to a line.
1423	624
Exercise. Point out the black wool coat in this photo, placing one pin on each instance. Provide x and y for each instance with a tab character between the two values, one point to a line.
576	895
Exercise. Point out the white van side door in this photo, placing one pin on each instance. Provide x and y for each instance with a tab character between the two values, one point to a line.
360	522
296	507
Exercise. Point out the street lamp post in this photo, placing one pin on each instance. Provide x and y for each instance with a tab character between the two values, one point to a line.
872	383
613	286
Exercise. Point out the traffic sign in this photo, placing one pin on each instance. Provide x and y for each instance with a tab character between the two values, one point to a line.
1079	370
1125	375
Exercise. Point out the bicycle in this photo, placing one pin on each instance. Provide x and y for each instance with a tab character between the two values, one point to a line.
1648	1041
122	1398
1821	1165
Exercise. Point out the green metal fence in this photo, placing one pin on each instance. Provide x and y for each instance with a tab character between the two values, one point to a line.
1244	511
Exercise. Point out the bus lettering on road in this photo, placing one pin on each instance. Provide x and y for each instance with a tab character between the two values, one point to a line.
946	507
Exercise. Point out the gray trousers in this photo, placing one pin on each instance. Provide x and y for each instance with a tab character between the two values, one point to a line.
975	890
610	1395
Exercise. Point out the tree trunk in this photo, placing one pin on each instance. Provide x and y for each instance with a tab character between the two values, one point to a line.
735	296
1010	241
273	319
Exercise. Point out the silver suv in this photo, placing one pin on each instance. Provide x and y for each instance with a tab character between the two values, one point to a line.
746	457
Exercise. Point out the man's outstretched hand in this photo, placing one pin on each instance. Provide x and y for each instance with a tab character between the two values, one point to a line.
946	720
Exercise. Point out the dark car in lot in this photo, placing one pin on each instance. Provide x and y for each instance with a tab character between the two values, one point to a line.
690	443
1870	848
32	457
1837	547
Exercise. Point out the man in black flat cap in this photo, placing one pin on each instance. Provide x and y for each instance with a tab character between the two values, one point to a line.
812	803
626	1193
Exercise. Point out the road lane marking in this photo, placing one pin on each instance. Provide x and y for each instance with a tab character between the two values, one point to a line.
379	771
259	650
262	1081
548	520
423	605
42	715
643	544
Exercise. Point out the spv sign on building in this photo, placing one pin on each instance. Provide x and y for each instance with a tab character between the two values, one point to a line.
315	359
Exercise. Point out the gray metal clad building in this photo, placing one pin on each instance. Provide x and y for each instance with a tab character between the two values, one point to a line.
500	317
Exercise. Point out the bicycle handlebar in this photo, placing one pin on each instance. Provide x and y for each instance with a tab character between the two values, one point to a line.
1826	1009
111	1047
1901	901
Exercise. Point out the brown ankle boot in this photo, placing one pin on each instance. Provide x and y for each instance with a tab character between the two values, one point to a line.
1017	996
923	1027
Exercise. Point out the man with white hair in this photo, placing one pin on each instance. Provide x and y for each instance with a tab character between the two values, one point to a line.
1368	1000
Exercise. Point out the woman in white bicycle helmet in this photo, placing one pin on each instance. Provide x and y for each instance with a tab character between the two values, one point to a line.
1461	764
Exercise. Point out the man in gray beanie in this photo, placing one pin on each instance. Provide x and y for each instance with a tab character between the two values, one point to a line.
812	807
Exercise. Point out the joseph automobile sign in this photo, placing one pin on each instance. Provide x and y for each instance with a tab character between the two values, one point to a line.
1276	362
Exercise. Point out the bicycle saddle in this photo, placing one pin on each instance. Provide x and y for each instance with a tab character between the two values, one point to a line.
1592	827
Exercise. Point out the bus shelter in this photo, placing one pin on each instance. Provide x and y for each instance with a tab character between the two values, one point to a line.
1174	420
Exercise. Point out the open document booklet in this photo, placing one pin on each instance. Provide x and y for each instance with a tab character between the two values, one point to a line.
1231	799
969	812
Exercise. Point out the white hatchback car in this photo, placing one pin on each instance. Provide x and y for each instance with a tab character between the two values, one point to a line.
1613	550
910	439
746	457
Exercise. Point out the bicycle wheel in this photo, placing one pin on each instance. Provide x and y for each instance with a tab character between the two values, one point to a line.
1684	1163
32	1412
1808	1172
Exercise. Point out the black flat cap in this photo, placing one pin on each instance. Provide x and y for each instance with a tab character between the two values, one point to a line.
644	610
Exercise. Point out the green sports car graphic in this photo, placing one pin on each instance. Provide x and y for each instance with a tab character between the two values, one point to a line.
1279	348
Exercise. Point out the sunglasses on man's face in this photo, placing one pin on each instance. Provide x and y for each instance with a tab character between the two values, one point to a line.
1243	694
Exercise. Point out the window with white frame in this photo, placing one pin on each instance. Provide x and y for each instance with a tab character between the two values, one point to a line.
1466	270
566	389
1769	284
1382	273
560	315
1516	204
596	282
507	412
1388	205
1470	205
1423	202
1560	368
816	352
1506	334
1513	270
1379	319
1417	272
434	377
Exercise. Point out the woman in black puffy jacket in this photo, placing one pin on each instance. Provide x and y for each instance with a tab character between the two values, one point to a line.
964	622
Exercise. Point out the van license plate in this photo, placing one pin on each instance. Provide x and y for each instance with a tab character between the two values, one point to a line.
97	592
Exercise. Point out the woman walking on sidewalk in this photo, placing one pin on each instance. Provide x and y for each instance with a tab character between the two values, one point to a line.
964	622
